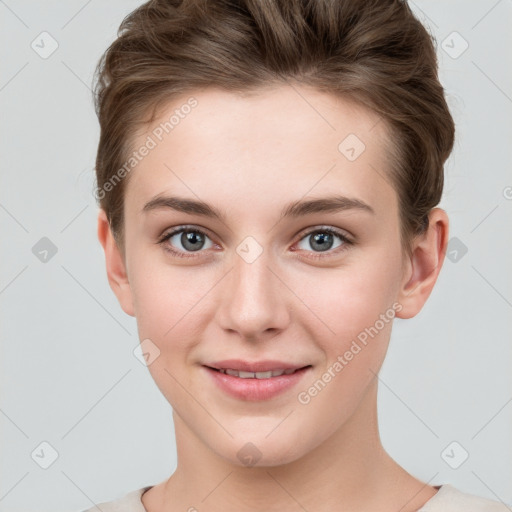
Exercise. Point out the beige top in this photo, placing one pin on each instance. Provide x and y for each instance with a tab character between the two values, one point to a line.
447	499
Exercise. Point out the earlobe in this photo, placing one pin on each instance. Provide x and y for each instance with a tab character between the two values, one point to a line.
115	265
424	265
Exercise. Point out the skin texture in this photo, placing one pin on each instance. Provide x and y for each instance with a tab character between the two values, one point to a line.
249	156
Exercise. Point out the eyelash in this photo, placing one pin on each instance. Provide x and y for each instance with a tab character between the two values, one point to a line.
323	229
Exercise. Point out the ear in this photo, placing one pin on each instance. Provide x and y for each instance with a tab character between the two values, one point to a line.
116	267
423	267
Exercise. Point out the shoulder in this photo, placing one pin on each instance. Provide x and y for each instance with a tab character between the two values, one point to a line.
130	502
450	499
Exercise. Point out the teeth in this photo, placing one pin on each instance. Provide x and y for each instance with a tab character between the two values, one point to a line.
256	375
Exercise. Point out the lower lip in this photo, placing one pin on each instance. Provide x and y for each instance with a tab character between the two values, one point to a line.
256	389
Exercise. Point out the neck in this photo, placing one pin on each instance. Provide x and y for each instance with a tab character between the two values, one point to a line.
348	471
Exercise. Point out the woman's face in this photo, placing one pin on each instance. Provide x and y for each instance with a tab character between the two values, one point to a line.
267	279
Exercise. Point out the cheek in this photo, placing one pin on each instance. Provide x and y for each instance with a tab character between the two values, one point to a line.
168	302
349	300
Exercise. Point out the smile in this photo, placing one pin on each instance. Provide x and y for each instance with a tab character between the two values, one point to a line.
256	375
256	386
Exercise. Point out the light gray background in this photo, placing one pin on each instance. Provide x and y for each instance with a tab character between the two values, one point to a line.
69	376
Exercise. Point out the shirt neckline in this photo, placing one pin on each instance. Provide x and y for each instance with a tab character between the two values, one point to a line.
443	490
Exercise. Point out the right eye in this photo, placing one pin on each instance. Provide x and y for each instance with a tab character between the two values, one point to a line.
190	238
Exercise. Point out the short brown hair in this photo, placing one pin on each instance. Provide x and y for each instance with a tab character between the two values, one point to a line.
375	52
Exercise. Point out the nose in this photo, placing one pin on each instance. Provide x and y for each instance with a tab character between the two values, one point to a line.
254	301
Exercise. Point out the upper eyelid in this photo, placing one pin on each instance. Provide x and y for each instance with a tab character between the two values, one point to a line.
335	230
178	229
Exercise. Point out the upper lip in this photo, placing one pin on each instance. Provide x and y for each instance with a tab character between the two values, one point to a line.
254	366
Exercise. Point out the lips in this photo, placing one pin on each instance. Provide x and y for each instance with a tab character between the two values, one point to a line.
256	375
239	365
256	386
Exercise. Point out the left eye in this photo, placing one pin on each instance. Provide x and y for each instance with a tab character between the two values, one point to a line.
322	239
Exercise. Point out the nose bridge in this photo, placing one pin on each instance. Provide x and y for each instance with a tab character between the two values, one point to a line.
255	301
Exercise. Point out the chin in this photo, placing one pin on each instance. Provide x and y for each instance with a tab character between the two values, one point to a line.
262	452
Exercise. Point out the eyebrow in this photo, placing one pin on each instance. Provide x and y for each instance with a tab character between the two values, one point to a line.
331	204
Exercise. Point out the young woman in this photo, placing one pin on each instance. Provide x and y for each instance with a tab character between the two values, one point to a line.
268	174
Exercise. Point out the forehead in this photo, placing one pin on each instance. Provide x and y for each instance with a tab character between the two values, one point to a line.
274	146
